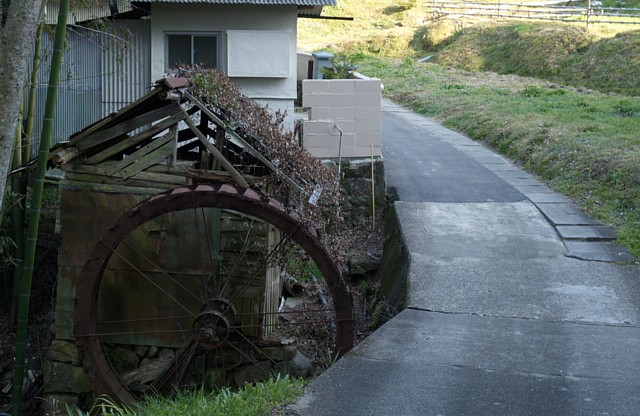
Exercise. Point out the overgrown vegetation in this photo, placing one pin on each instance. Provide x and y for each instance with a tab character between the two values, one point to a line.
561	101
252	400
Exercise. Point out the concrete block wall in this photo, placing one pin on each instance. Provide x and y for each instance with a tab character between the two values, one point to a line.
354	106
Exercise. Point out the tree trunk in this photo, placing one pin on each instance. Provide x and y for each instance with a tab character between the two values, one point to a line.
16	43
35	206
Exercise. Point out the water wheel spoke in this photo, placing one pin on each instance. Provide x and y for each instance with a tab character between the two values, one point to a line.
268	259
154	283
208	323
176	370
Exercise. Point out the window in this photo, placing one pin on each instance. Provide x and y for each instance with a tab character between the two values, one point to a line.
191	48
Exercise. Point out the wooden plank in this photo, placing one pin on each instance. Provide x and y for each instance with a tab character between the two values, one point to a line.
126	126
63	156
216	154
134	157
105	121
92	173
116	189
133	140
163	152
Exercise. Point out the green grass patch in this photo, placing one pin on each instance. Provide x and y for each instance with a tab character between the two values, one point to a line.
584	144
251	400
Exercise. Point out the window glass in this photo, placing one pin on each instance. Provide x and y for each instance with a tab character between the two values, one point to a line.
205	51
179	47
192	49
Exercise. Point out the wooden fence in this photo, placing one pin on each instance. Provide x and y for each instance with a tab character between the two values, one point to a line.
591	13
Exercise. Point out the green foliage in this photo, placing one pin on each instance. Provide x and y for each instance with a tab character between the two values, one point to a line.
251	400
301	266
400	6
341	67
532	90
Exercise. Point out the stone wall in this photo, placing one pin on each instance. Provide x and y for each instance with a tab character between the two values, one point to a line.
351	105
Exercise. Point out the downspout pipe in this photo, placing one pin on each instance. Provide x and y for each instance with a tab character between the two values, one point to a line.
339	151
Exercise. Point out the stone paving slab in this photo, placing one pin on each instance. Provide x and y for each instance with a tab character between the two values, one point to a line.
586	232
522	181
478	230
514	174
559	288
549	198
540	189
565	214
599	251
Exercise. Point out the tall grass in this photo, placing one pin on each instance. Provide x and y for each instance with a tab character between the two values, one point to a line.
252	400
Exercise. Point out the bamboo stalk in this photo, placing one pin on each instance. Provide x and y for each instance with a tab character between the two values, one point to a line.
36	205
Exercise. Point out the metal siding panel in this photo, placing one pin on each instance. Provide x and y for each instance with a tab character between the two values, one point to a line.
126	64
78	100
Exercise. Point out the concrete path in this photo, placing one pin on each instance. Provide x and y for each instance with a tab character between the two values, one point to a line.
518	304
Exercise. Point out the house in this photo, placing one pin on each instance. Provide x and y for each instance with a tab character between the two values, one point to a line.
113	63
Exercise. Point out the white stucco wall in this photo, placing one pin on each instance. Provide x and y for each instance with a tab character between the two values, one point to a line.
277	91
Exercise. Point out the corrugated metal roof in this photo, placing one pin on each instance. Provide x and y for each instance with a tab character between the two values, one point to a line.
265	2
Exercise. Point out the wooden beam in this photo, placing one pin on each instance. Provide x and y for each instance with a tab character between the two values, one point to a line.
126	126
108	119
163	152
216	154
65	155
98	175
133	140
139	154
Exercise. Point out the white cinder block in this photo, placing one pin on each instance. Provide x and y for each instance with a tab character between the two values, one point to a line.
343	113
320	113
366	140
317	127
321	100
366	86
368	127
316	140
347	127
366	151
367	100
341	86
346	100
314	87
323	152
368	113
348	140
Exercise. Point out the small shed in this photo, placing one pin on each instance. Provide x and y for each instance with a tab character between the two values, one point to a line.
173	246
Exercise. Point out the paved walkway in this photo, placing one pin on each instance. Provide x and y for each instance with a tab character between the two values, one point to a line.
518	304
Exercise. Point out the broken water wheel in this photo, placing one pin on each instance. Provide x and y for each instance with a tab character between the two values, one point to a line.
185	291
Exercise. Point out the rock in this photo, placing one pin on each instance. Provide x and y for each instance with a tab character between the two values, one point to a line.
301	366
153	352
283	353
64	378
64	351
252	373
363	264
142	351
123	359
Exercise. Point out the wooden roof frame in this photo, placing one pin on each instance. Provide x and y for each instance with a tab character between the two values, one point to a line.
147	141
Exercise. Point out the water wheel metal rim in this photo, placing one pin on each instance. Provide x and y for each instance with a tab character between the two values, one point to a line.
217	195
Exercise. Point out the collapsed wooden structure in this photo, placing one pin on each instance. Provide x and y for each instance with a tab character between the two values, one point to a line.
167	244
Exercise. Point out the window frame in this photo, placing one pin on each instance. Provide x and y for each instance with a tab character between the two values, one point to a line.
213	34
